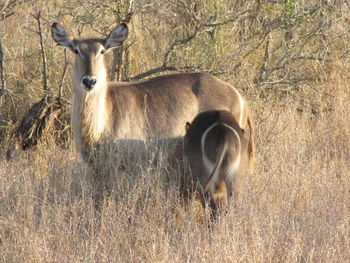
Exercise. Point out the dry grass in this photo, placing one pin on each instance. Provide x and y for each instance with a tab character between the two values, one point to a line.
295	206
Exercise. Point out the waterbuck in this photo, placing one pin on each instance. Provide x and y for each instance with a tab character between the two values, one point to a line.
217	153
155	108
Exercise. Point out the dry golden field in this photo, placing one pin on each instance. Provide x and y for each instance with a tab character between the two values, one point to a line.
290	59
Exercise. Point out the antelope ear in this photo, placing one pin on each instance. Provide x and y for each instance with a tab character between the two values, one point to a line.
188	125
117	36
60	35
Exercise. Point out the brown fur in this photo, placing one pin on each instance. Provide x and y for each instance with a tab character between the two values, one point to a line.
215	139
154	108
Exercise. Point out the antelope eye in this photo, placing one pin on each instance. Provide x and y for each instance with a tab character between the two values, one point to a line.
76	51
102	51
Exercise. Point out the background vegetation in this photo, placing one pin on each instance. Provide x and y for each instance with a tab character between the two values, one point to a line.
289	58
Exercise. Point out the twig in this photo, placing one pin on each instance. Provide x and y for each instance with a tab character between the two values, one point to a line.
198	28
7	6
32	30
228	20
198	20
273	131
179	42
289	82
43	54
263	68
179	69
311	58
2	75
37	17
152	71
63	74
3	16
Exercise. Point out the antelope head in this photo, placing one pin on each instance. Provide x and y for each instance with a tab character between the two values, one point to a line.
89	71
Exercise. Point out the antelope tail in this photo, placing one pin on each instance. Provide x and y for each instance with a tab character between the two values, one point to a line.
215	173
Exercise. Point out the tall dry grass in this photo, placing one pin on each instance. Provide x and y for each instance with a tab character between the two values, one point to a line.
294	207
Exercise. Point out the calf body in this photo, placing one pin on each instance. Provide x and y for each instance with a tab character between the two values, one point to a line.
217	153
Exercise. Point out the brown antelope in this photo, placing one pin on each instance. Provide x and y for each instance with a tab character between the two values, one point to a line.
217	153
154	108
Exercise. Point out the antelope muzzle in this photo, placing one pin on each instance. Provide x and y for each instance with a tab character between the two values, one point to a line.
89	82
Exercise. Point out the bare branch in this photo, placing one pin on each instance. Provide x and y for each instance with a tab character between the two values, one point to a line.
152	71
6	8
229	20
2	74
196	32
201	23
263	67
6	15
179	42
64	72
6	5
311	58
37	17
178	69
165	66
290	82
32	30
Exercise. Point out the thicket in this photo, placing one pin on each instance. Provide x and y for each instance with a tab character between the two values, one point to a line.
269	50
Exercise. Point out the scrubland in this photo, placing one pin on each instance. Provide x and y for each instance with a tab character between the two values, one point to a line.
290	60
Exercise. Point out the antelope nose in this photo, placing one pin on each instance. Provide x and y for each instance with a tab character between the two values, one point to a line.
89	82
